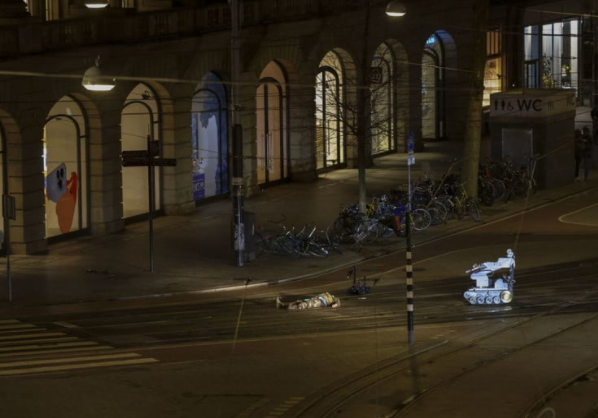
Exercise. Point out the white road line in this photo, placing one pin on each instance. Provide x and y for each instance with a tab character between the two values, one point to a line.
40	340
10	321
575	212
77	366
22	331
66	325
37	346
25	336
17	326
60	350
67	360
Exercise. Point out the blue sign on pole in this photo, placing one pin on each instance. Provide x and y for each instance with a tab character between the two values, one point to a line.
410	148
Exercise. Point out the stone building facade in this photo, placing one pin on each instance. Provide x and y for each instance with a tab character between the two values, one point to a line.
307	70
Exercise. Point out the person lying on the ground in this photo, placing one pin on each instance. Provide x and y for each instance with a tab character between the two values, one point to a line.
319	301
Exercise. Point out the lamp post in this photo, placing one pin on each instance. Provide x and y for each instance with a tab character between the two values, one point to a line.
237	139
398	9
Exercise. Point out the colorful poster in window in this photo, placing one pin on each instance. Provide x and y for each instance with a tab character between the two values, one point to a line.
63	192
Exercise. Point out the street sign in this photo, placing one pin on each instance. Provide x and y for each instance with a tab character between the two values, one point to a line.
140	162
170	162
134	154
411	148
153	148
135	162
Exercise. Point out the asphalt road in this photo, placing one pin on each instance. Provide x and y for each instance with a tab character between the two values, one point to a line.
234	355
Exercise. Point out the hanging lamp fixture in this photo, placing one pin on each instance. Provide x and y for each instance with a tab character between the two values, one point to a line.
396	8
94	80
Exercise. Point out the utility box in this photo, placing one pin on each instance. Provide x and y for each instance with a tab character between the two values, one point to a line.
540	124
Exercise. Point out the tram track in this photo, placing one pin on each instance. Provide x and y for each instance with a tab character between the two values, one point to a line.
341	396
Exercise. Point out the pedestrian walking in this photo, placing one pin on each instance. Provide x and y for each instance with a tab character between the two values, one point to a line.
579	150
319	301
586	146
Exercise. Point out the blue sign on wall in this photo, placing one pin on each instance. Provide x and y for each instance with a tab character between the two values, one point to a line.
199	186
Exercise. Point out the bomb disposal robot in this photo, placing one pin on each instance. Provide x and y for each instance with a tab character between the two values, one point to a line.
494	281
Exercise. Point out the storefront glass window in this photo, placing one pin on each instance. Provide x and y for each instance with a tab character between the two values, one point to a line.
552	55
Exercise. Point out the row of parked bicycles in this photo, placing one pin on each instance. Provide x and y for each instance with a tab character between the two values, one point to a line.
502	180
432	202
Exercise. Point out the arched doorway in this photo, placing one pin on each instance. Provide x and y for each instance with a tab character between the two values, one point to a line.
433	88
140	123
209	145
330	147
65	158
271	116
382	86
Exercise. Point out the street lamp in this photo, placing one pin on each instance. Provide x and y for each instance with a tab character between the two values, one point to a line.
396	9
237	138
94	80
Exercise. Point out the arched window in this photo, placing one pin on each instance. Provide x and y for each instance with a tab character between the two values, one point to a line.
330	139
433	89
271	116
209	144
382	85
65	169
139	124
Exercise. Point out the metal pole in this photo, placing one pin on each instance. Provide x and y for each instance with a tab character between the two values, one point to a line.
237	138
409	265
594	112
150	179
8	213
8	272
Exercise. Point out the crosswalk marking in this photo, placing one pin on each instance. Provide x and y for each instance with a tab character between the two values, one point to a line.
67	360
39	340
16	326
10	344
60	350
36	335
21	330
37	346
18	339
77	366
284	406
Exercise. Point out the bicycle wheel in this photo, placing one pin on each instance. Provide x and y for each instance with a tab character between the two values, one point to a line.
449	206
289	246
500	190
438	212
385	231
420	219
315	250
366	231
337	231
519	189
473	210
459	208
486	192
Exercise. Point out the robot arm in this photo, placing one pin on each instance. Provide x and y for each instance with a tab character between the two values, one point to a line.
475	268
507	262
